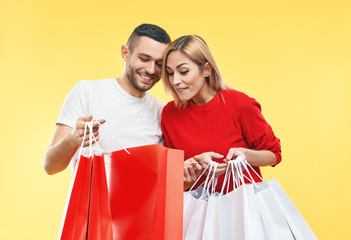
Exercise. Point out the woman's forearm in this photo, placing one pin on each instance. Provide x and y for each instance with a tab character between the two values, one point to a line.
260	158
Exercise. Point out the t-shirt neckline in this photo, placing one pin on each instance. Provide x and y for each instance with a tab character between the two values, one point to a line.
125	93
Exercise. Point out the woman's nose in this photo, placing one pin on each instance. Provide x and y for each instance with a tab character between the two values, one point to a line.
176	79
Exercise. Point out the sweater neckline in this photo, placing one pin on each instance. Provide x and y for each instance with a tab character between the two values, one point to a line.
205	106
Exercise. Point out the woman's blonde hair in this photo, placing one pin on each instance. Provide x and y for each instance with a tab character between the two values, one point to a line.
197	50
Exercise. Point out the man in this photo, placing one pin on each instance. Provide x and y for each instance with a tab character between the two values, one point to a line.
127	111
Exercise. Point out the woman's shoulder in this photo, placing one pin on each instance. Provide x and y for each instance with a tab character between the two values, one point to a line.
236	97
241	102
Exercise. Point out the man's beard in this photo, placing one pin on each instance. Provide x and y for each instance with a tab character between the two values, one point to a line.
131	75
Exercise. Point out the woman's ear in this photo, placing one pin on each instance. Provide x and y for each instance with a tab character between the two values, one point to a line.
207	69
124	52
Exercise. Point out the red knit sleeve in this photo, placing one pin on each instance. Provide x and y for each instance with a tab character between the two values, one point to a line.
257	131
166	139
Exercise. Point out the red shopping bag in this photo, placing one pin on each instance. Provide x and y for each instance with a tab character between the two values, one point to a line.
146	193
87	213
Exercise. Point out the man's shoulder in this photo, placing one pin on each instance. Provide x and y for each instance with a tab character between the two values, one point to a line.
155	101
84	84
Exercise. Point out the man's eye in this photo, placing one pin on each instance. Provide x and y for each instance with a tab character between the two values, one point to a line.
143	59
158	64
184	72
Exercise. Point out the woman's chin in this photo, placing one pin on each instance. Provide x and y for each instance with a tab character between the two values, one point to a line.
184	99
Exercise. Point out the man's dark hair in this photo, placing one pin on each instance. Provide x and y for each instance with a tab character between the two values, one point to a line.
148	30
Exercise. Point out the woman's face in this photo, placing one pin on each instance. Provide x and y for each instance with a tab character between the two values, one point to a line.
187	79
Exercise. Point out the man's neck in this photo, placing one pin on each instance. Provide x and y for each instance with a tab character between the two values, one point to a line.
124	82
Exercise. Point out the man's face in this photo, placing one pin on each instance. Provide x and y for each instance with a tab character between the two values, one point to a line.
143	66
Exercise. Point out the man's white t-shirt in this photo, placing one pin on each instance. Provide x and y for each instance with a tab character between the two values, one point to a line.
131	120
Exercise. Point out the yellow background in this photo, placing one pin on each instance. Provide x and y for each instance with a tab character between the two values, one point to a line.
294	57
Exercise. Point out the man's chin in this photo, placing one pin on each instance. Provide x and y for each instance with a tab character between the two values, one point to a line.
146	86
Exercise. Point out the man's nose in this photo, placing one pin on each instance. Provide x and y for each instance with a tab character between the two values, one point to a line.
151	68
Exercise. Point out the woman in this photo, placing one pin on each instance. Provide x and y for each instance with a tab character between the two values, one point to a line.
207	119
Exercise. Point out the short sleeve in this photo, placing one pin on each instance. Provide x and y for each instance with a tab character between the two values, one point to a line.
257	131
75	105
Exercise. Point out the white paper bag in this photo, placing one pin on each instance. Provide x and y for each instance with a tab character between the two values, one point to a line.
274	222
239	216
279	216
297	224
194	219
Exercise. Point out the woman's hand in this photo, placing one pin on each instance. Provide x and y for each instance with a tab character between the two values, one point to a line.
205	158
192	170
193	167
233	153
257	158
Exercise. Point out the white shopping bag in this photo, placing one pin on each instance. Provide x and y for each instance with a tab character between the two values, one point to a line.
195	206
211	224
222	216
280	218
295	220
190	199
254	211
239	216
212	220
274	222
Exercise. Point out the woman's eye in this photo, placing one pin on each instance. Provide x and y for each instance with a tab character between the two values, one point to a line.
170	73
184	72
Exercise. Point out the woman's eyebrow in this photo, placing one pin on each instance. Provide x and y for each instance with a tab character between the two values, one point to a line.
182	65
178	65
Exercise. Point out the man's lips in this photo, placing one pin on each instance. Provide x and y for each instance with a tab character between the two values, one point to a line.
146	78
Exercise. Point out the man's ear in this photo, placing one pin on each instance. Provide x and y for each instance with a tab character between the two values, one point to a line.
124	52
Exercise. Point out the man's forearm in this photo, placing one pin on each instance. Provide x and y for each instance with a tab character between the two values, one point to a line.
57	157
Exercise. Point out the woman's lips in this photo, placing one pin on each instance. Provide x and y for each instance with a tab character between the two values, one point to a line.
180	90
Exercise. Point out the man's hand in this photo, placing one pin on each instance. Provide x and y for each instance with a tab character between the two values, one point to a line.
65	143
77	133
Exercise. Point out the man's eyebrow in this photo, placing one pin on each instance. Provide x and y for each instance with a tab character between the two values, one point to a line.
148	56
145	55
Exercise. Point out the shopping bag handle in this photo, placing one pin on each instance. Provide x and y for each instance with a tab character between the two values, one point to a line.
245	163
227	177
207	179
235	169
114	139
91	139
240	164
203	172
212	180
